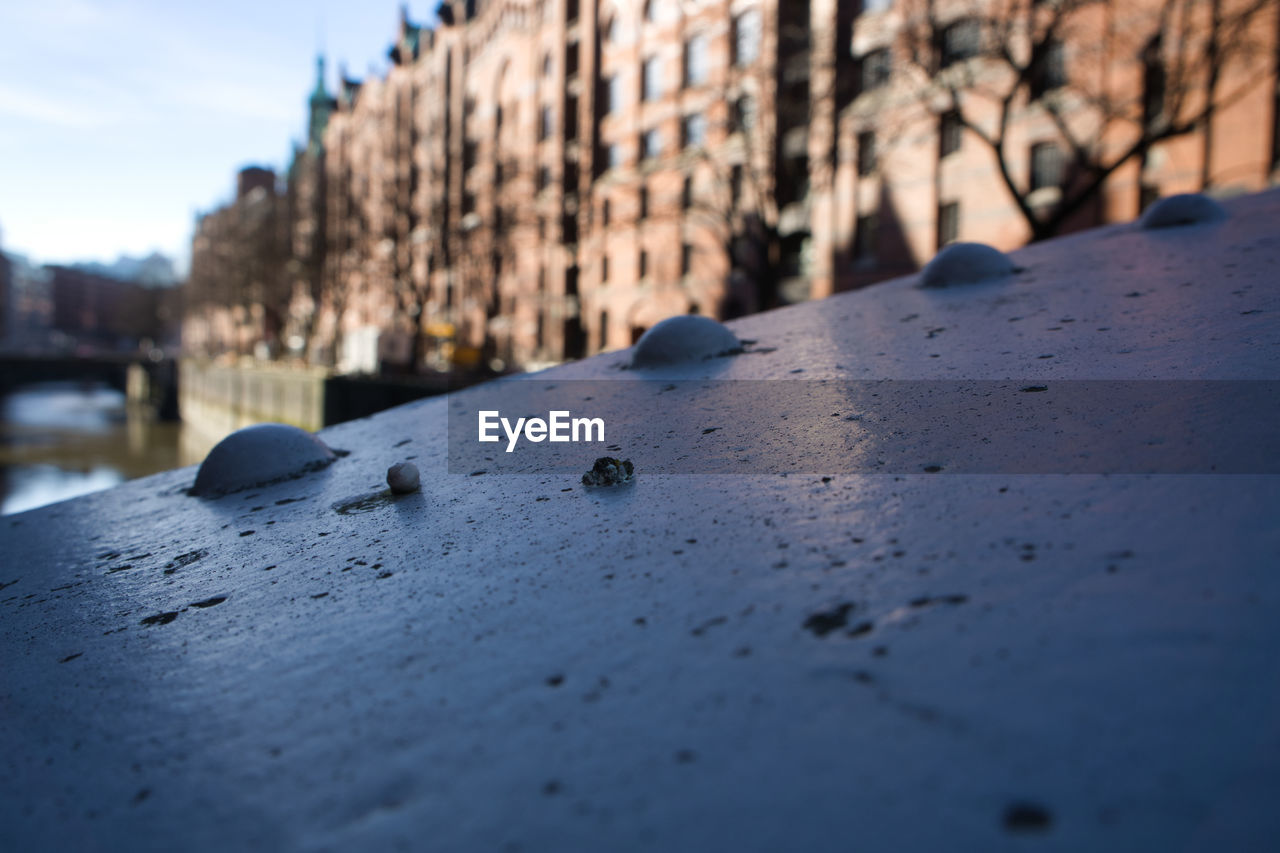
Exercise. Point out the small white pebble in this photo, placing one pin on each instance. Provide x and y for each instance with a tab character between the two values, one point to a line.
402	477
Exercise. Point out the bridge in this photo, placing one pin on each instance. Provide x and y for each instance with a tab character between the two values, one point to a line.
142	379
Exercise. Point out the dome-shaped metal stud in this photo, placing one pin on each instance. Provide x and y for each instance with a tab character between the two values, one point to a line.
1182	209
257	455
686	337
965	263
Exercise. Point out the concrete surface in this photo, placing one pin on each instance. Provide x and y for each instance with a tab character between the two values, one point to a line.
746	662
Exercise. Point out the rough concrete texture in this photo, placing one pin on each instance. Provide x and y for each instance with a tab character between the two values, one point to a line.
691	663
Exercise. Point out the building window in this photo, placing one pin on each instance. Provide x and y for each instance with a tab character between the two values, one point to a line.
869	6
651	10
864	236
686	258
1048	69
545	120
643	263
695	61
604	269
1154	82
866	152
735	185
570	117
613	156
604	212
686	193
642	203
610	95
546	65
1275	132
746	38
693	129
651	79
744	113
604	329
544	178
948	223
874	69
570	59
959	41
1047	166
651	144
949	133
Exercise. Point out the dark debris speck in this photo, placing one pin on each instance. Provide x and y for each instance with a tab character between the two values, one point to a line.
1027	817
826	621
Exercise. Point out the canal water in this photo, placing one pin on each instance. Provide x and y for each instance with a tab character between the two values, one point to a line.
65	439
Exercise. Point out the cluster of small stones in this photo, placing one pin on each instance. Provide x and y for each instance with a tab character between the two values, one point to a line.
608	471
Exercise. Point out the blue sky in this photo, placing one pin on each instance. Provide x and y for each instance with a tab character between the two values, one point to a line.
120	120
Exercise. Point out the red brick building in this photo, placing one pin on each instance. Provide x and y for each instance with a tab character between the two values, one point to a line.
534	181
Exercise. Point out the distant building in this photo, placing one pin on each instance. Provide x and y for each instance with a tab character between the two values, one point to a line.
537	181
237	289
97	313
6	289
28	307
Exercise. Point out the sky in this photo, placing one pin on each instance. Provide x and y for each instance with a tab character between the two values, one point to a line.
121	120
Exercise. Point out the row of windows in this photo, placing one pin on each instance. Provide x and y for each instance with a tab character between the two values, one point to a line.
686	197
642	199
695	68
693	133
957	43
642	263
744	38
1048	164
866	232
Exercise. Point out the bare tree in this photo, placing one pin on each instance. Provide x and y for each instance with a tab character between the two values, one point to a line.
1114	80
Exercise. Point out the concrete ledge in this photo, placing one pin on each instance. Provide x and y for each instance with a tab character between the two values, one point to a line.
720	662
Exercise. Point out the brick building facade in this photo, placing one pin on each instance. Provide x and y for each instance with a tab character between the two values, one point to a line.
535	181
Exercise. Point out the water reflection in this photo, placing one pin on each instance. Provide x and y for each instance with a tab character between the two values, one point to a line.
60	440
